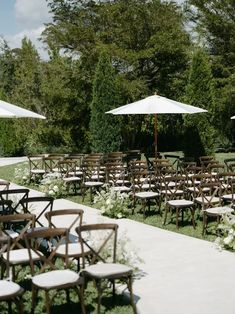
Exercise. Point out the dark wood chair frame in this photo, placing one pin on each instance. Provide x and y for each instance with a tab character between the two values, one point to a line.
54	237
110	230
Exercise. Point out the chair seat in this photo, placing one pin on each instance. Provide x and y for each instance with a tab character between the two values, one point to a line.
201	200
71	179
93	183
180	203
74	250
219	210
122	189
56	278
37	171
228	197
107	270
9	288
147	194
21	256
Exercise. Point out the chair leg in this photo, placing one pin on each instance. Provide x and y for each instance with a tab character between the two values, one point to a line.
192	214
129	285
99	290
34	296
9	307
80	291
204	223
20	305
47	302
177	218
166	212
67	296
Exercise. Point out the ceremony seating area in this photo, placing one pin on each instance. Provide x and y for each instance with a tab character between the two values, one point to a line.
184	193
158	185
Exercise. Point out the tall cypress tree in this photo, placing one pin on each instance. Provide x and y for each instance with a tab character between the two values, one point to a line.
104	128
199	132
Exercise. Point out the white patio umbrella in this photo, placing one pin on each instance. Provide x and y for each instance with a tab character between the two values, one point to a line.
11	111
156	105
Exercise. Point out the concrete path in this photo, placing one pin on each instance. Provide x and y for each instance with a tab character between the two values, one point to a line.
180	274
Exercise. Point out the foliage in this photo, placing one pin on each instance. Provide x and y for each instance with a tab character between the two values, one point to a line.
146	41
52	185
214	22
200	92
226	240
113	203
105	129
21	174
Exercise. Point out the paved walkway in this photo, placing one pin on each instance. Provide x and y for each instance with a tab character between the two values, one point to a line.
180	274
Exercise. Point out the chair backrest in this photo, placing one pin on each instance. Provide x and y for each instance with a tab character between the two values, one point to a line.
116	174
44	202
19	224
208	191
15	195
35	241
101	239
173	186
92	171
36	162
141	177
230	164
55	218
68	167
51	163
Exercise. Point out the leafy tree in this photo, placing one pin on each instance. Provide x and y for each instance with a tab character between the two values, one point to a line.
214	22
199	131
105	129
146	40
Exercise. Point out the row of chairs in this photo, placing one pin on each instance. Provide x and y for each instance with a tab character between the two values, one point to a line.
41	248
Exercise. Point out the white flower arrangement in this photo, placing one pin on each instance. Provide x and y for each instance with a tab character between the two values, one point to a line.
226	240
21	174
52	184
113	203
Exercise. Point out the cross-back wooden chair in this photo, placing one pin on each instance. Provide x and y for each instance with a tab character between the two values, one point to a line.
41	204
211	202
117	177
17	226
205	161
36	166
174	194
58	218
9	290
143	186
227	180
230	164
52	163
68	171
51	275
93	177
102	239
15	195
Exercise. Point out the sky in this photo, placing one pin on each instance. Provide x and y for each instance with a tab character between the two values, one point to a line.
19	18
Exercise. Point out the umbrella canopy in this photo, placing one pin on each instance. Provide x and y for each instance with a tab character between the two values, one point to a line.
11	111
233	117
156	105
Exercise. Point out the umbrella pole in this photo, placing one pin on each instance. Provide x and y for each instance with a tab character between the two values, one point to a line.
155	135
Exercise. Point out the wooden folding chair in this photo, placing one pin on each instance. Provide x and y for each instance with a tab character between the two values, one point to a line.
51	275
9	290
100	267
